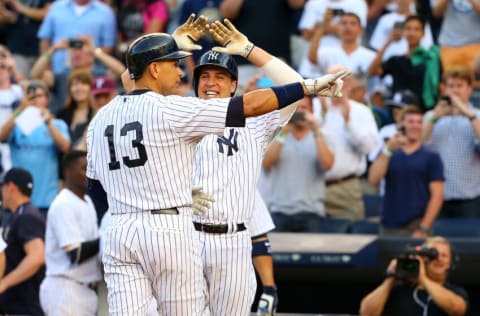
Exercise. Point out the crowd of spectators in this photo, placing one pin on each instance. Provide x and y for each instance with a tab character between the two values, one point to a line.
408	122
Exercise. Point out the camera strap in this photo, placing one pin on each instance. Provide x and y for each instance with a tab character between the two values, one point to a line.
417	300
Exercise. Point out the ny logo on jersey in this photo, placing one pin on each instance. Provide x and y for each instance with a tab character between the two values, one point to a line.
213	55
231	142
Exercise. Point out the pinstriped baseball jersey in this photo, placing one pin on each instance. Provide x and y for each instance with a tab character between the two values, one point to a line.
261	222
228	168
141	147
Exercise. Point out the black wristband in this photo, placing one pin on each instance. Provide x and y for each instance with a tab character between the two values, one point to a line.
270	290
390	274
288	94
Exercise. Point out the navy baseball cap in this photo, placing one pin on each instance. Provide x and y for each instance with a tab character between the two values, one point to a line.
21	178
403	98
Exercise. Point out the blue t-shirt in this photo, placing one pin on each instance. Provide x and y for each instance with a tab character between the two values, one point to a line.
407	185
38	154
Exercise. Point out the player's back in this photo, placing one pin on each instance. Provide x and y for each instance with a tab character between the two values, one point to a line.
134	150
141	147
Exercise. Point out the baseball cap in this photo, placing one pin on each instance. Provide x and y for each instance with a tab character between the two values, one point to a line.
22	179
103	85
403	98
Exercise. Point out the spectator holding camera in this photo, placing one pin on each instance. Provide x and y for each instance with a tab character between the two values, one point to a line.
452	129
428	294
297	161
82	54
413	180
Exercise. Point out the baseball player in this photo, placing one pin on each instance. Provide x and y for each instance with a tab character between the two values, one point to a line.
71	246
227	167
140	158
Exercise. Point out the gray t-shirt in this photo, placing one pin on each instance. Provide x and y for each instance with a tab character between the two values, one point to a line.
297	181
461	24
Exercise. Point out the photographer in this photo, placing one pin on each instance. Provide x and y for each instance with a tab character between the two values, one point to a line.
427	293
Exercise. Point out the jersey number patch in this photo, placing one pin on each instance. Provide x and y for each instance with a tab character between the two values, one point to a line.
137	127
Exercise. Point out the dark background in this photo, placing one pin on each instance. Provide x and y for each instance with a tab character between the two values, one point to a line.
330	289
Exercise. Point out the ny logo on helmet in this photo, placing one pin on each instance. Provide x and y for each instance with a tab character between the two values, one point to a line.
212	55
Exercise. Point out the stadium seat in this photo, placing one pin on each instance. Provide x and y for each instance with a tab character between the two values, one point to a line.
365	226
457	227
373	205
335	225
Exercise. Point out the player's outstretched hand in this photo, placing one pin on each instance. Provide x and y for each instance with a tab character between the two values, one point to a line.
232	40
267	305
201	201
327	86
191	31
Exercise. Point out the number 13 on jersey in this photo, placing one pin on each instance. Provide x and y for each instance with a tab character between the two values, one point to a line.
111	133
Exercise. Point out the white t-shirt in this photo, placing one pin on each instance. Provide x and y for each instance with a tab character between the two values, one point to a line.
71	220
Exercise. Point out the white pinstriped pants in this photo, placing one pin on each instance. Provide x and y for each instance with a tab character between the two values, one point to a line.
228	269
61	296
153	256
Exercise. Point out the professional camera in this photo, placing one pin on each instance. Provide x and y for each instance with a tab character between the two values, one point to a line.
408	267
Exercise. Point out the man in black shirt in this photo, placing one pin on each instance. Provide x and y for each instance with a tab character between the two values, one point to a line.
25	253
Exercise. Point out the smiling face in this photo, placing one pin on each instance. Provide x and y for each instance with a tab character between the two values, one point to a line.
79	90
413	126
215	82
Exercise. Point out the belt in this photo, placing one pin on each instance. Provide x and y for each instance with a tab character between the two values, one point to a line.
167	211
218	229
337	181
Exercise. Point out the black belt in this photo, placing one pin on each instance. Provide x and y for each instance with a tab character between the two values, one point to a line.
168	211
217	229
337	181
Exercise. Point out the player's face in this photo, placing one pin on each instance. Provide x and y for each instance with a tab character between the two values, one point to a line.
80	91
168	78
215	82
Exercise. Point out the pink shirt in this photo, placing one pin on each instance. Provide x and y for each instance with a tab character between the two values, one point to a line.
155	10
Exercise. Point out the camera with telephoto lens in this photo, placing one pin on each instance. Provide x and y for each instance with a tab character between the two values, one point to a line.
408	267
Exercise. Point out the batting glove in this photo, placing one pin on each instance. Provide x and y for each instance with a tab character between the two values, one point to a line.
267	305
232	40
201	201
191	31
328	85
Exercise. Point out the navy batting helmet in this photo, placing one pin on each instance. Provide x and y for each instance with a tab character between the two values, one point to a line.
149	48
213	58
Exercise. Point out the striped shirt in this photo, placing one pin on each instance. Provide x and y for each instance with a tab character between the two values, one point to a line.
141	147
453	137
228	168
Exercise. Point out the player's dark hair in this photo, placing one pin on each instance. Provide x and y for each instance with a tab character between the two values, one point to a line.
71	157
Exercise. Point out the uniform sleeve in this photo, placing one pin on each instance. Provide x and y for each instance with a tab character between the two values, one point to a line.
30	227
193	118
65	224
264	127
435	168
